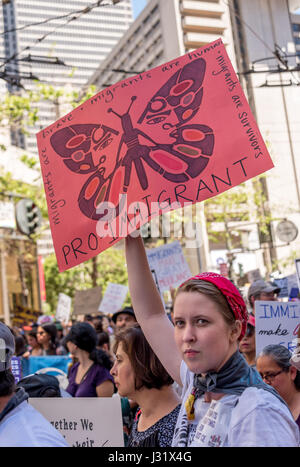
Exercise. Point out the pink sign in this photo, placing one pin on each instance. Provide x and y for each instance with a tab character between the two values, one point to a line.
179	133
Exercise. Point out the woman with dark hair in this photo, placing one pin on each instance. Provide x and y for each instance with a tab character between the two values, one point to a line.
224	401
140	377
34	348
46	336
90	376
275	368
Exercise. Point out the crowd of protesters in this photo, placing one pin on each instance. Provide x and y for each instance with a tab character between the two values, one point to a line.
189	377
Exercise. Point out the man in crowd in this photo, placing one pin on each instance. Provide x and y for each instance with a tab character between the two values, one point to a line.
20	424
124	318
261	290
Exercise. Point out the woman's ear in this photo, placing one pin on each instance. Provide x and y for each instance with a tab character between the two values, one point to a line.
236	331
293	372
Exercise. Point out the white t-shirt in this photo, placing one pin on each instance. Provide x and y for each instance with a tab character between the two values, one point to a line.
24	426
257	418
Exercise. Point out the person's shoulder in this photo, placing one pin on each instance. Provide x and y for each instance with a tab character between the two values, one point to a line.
260	418
30	429
258	397
73	368
259	401
97	368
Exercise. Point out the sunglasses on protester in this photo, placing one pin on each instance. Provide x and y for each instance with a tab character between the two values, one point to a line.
250	331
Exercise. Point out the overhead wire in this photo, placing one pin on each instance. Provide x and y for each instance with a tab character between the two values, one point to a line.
79	13
275	52
87	9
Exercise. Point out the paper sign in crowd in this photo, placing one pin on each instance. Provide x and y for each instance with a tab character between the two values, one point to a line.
174	135
169	264
113	298
85	422
63	309
276	323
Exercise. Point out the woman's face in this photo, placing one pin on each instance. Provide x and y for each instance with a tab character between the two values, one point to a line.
123	373
247	344
72	348
273	374
42	336
202	335
32	341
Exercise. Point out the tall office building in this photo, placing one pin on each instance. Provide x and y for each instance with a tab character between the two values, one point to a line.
58	42
262	40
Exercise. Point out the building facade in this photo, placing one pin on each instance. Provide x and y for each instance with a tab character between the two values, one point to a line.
59	43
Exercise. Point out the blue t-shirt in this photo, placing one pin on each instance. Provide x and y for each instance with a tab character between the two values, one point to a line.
95	376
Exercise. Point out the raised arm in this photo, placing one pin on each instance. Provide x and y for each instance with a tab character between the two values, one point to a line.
149	309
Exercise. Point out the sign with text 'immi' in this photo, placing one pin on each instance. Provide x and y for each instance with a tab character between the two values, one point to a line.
276	323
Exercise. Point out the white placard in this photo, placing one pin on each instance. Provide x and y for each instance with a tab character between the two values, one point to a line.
276	323
7	215
297	263
113	298
84	421
169	264
63	308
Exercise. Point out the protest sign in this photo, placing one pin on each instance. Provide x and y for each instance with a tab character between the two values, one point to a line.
84	421
169	264
16	368
286	285
276	323
253	275
87	301
63	309
7	215
297	264
113	298
175	135
283	284
36	364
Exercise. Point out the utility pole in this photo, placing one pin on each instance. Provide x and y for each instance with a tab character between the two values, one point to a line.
4	287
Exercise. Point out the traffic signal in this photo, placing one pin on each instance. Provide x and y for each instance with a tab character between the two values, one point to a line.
28	216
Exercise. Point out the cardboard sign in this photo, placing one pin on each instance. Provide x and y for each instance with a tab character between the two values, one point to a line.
16	368
59	365
286	285
169	264
113	299
276	323
7	215
175	135
87	301
85	421
63	308
297	264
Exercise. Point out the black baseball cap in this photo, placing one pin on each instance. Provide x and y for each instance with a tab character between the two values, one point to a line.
127	310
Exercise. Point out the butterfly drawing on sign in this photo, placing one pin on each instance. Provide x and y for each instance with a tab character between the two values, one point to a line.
178	161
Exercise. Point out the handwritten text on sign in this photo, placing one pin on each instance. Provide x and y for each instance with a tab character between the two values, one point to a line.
174	135
276	323
169	264
84	422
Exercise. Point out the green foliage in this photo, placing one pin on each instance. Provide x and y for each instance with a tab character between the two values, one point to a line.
110	265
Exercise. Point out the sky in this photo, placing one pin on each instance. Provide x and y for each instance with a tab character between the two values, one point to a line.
138	6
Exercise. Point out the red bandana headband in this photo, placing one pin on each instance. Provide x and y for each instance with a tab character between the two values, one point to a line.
231	293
